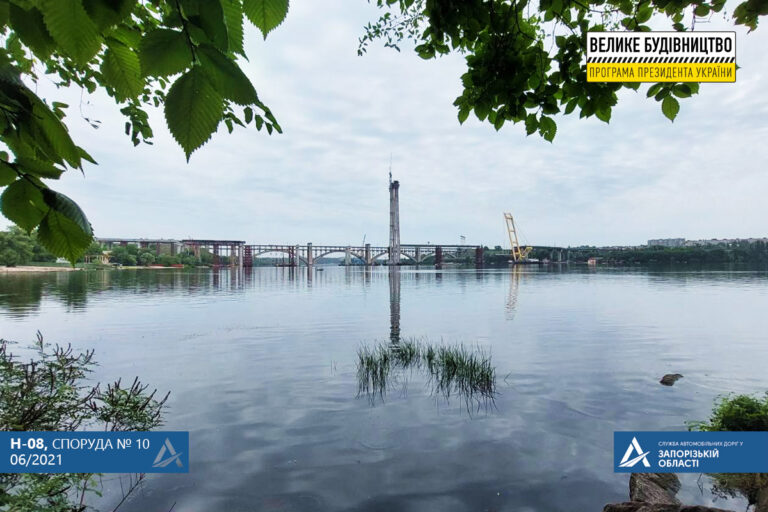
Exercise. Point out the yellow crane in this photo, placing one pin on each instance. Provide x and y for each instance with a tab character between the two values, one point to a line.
519	254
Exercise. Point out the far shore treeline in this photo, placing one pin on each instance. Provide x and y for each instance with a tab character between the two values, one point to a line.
19	248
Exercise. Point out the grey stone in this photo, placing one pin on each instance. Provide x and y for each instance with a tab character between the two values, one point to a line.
701	508
762	500
654	487
670	378
655	492
641	506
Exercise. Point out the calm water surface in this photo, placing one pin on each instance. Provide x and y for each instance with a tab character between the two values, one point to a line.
262	371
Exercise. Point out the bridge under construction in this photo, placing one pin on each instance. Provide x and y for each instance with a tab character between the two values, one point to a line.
238	253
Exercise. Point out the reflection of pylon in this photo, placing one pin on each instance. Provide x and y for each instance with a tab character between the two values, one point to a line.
394	305
173	456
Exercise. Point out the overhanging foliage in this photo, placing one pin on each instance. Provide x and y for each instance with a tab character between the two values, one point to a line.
525	59
180	54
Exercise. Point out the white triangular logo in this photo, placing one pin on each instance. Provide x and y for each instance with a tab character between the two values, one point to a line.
634	446
161	462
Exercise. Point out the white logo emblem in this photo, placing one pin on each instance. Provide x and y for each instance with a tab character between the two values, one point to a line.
634	446
172	456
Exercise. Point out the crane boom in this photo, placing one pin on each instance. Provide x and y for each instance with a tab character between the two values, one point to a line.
519	254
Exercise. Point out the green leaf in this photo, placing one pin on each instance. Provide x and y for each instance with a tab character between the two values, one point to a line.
4	16
107	13
266	14
547	128
626	6
233	18
51	135
226	76
463	114
65	206
481	111
604	114
681	91
498	122
211	20
31	29
701	10
670	107
193	109
38	168
644	14
63	236
85	156
7	174
129	36
23	204
571	105
122	70
164	52
65	230
654	89
531	124
72	28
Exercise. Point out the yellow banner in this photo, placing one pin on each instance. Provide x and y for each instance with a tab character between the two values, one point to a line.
661	72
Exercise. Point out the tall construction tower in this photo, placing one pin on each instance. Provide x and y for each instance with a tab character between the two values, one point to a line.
394	220
519	254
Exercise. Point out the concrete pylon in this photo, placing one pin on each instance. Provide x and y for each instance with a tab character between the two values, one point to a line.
394	222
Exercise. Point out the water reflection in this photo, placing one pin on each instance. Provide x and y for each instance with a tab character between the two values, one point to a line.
514	284
394	304
22	293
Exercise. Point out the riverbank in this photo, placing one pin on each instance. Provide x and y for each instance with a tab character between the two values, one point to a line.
30	268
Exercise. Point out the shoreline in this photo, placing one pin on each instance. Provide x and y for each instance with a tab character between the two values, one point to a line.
30	268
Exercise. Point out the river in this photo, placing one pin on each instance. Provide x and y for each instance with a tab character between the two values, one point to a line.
262	370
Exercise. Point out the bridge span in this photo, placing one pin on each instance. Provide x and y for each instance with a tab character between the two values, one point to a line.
240	253
367	254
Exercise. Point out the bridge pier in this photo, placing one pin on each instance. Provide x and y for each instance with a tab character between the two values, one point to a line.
368	260
418	255
438	257
248	256
479	257
347	257
310	259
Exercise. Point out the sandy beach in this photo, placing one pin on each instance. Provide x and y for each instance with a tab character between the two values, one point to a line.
23	269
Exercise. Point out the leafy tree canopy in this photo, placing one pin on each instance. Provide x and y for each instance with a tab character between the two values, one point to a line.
178	54
525	60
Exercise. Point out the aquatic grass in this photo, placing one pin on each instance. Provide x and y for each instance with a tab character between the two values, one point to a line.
452	370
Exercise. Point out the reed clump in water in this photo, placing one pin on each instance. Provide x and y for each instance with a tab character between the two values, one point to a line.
453	370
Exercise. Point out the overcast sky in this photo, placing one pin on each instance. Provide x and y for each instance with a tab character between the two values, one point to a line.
325	179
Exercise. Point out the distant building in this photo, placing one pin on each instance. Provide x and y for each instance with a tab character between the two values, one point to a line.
724	241
667	242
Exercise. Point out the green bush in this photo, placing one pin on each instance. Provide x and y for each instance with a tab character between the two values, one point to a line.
146	258
737	414
50	393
